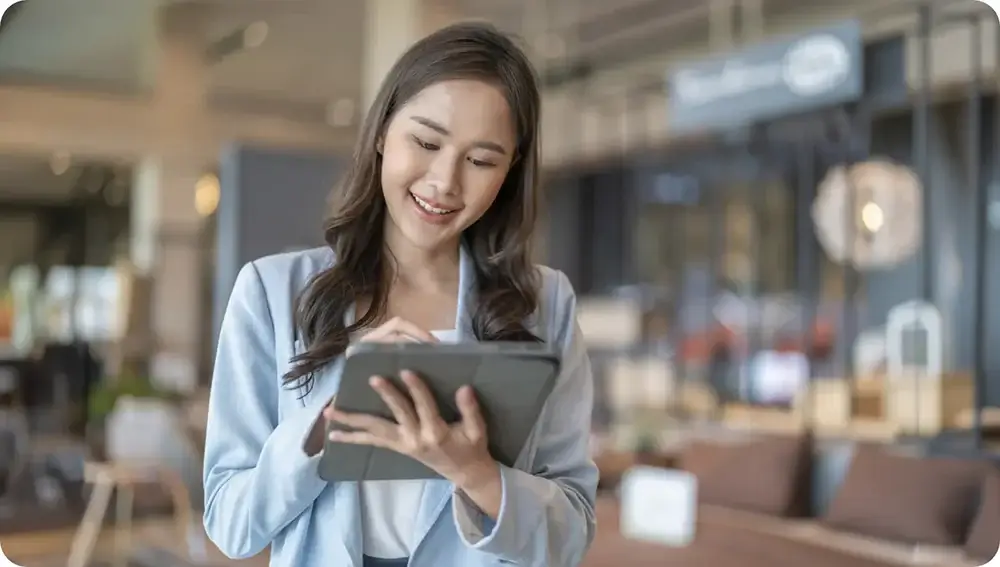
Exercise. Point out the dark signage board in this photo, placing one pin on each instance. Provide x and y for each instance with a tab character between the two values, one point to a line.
820	69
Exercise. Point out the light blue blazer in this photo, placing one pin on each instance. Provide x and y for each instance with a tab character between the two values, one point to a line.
261	488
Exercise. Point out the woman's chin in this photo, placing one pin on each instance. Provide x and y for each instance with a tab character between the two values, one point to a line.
429	237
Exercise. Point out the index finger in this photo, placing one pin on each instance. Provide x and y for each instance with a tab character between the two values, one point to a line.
402	326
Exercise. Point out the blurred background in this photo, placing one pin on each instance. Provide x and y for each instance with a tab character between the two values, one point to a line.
782	220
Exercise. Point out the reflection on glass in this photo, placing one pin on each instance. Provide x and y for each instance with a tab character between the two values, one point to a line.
728	261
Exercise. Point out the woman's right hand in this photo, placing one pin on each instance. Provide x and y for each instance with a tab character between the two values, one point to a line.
395	330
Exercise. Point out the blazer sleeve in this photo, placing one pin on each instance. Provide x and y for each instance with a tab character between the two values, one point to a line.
547	516
257	476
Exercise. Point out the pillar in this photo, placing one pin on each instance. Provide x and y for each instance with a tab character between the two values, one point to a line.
392	26
167	228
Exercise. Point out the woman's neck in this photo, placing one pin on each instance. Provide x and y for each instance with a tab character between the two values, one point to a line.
420	268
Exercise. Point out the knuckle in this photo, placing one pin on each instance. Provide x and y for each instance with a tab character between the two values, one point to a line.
433	437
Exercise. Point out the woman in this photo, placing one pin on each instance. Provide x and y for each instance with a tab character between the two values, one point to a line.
428	241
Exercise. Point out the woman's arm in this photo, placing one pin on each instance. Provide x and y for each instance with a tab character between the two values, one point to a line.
257	475
546	519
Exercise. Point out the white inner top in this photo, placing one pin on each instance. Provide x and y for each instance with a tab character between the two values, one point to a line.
389	507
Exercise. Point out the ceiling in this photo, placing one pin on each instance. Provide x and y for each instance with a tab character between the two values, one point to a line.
310	54
312	51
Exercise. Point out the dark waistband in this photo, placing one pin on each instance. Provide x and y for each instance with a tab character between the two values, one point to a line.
379	562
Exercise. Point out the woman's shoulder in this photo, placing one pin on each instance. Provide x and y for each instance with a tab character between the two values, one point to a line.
553	284
557	300
288	272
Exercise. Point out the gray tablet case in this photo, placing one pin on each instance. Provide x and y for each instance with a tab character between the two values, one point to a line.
512	381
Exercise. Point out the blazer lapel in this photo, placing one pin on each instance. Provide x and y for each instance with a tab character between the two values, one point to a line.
437	493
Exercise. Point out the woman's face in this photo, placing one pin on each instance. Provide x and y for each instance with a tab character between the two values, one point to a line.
445	155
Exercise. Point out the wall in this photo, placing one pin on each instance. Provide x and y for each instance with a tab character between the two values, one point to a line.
18	240
273	201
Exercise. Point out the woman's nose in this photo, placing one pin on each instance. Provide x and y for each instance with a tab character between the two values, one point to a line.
444	172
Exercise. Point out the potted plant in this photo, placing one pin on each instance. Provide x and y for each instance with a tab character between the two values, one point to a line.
126	413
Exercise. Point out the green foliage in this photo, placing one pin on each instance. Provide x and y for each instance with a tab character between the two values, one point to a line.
106	395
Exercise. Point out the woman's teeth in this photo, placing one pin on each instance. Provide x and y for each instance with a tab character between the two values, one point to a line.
427	207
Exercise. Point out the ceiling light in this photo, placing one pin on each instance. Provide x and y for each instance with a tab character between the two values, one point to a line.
872	217
255	34
207	194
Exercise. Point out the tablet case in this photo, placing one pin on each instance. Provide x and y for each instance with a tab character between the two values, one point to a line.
512	381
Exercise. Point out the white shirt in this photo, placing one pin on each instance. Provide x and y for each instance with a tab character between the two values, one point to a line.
389	507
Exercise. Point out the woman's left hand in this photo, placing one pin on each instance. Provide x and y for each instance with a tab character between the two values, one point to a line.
458	452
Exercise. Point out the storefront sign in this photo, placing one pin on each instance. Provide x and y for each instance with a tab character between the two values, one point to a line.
823	68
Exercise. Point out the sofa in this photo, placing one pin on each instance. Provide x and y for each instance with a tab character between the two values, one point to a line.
757	506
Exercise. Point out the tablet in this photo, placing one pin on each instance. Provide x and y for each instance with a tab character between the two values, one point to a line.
512	381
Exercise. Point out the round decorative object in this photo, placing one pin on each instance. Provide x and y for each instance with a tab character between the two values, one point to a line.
816	65
869	214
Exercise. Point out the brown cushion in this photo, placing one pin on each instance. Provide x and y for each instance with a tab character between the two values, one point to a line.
770	475
908	499
984	535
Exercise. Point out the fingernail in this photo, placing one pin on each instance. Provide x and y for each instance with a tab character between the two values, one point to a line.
334	435
375	381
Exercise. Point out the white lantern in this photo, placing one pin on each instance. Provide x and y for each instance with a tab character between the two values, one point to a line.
869	215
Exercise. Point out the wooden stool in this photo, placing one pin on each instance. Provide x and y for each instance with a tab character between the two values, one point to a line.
108	477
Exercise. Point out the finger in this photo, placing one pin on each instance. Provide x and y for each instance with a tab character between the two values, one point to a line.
380	334
472	418
360	438
365	422
400	407
423	402
403	327
328	410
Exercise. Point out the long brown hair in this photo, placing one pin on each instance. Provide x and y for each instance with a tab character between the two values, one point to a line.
498	242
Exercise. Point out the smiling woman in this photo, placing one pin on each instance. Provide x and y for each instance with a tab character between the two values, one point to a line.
428	240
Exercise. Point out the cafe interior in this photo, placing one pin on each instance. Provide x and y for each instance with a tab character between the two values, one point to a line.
786	288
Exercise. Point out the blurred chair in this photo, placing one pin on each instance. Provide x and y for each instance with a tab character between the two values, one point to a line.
109	478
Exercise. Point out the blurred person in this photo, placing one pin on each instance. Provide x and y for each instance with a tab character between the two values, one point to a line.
428	240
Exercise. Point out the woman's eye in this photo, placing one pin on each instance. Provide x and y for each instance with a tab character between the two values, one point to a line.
481	163
425	145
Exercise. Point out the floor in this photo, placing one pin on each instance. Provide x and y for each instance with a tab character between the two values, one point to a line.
50	548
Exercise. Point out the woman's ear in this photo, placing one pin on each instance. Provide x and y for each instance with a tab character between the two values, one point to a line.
379	145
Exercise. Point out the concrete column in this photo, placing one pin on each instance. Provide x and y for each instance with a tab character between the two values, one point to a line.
166	226
166	249
392	26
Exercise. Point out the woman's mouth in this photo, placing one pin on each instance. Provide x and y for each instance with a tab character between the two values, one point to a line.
431	207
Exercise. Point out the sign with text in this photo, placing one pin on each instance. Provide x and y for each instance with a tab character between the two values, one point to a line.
819	69
659	506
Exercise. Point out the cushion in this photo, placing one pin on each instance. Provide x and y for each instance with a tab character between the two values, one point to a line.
984	535
907	499
770	475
